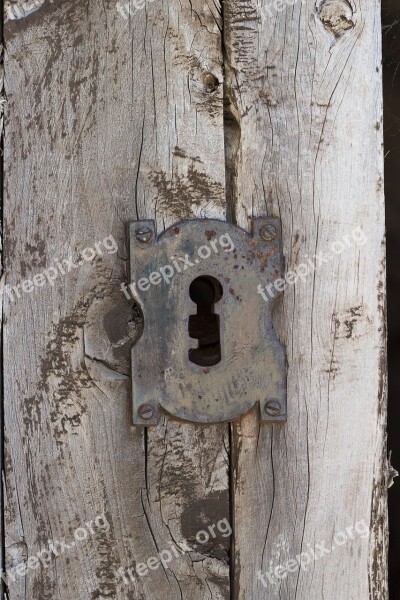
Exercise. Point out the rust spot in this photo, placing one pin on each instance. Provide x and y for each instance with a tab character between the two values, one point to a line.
210	235
263	259
232	291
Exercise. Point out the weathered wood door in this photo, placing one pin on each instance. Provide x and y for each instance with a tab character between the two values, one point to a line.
166	111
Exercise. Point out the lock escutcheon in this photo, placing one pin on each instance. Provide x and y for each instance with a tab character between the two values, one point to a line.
208	352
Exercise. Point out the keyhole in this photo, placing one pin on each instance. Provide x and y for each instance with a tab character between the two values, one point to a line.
205	291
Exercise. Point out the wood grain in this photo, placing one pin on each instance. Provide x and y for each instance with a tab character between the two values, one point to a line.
306	96
108	120
112	119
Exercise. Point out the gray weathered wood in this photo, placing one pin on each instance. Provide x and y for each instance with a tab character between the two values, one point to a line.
110	120
307	98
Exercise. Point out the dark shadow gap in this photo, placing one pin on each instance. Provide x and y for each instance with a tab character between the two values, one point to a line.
3	587
391	94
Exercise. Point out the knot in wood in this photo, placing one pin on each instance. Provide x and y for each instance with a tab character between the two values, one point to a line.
336	16
210	82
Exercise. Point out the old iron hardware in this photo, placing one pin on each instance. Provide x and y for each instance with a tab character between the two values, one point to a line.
208	352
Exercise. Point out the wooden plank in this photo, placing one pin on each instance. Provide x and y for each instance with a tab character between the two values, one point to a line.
307	101
108	120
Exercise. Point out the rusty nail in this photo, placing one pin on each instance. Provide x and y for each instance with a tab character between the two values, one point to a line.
146	411
268	233
144	234
273	408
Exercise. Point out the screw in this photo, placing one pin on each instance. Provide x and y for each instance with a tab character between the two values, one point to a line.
146	411
268	233
273	408
144	234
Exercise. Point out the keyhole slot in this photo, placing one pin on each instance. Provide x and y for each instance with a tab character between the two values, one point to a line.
204	326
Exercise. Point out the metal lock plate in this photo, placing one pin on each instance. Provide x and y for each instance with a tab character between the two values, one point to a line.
208	352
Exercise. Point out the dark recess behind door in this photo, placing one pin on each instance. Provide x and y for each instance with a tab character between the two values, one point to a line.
391	71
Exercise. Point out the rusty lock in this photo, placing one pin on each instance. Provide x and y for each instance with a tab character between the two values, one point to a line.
208	352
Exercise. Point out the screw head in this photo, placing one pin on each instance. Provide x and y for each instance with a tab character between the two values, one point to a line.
273	408
144	234
268	233
146	411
